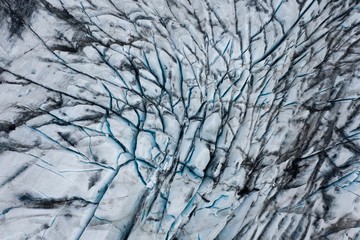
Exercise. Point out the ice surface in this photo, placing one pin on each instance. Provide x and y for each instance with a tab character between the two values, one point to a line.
179	119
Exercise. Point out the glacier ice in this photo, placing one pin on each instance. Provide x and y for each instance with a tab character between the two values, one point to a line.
133	119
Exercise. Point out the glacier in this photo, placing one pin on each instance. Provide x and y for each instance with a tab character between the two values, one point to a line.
189	119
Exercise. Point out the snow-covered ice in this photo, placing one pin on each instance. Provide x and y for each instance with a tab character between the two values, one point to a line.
179	119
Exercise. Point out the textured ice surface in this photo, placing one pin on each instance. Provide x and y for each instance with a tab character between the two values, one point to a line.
179	119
